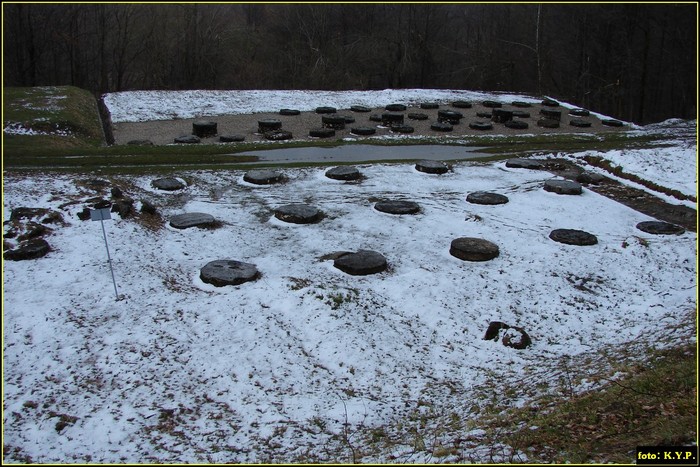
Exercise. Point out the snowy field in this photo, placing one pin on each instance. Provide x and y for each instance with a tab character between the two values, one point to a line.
299	364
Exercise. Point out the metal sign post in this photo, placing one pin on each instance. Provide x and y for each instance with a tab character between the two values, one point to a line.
101	215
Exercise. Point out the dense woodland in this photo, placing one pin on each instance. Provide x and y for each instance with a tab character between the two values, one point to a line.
632	61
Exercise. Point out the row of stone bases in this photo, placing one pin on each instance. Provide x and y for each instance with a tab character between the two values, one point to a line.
365	262
271	129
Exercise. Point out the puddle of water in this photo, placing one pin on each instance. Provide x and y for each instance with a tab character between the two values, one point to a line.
366	153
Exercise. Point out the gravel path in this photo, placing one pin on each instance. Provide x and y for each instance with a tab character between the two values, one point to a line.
164	132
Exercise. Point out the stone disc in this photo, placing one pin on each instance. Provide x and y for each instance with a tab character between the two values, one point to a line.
362	263
228	272
191	219
431	167
345	172
563	187
473	249
298	213
262	177
573	237
397	207
660	228
483	197
168	184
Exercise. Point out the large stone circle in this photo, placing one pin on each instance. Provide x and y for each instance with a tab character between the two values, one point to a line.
484	197
431	167
191	219
397	207
168	184
563	187
263	177
298	213
660	228
573	237
473	249
228	272
344	172
361	263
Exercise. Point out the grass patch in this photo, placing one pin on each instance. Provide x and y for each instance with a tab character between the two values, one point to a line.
654	403
57	117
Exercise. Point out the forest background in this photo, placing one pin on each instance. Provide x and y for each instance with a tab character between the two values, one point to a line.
636	62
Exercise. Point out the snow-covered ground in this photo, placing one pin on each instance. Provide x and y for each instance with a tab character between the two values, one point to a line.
142	106
292	366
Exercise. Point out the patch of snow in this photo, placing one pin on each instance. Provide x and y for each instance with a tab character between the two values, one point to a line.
181	371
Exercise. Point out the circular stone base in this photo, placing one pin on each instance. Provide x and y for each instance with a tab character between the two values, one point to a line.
347	172
263	177
228	272
563	187
431	167
168	184
573	237
187	139
660	228
483	197
473	249
397	207
191	219
362	263
298	214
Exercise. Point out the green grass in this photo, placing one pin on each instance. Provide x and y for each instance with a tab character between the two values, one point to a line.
52	109
653	404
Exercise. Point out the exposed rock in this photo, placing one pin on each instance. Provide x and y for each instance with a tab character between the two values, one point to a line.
263	177
432	167
117	192
27	213
344	172
524	164
140	142
30	249
573	237
124	207
483	197
168	184
514	337
228	272
147	207
361	263
660	228
191	219
563	187
473	249
298	214
397	207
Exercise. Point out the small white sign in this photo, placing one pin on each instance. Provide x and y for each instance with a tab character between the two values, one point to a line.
100	214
